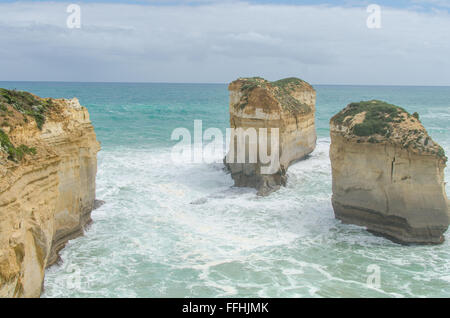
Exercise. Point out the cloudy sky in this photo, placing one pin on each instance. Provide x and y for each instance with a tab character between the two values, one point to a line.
213	41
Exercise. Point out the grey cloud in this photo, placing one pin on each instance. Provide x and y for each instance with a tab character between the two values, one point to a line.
218	42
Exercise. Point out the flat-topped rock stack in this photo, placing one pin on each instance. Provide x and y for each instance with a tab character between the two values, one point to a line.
289	106
388	173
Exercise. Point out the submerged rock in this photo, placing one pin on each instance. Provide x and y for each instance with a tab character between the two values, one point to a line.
388	174
289	106
48	165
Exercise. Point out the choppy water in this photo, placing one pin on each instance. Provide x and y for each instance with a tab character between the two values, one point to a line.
149	240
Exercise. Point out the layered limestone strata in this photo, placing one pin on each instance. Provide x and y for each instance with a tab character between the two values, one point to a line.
388	174
289	106
48	164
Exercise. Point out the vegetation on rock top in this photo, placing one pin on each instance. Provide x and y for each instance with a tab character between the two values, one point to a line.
378	117
281	89
17	107
381	120
25	103
289	82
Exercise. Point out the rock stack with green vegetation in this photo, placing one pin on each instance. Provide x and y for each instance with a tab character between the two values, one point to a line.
388	173
289	106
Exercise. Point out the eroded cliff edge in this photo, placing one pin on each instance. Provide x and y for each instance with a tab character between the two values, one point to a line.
287	104
48	165
388	174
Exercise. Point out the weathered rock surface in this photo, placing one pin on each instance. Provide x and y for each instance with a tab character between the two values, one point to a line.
388	174
288	105
47	185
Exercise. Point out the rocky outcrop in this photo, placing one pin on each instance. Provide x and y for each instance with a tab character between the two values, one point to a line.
48	165
388	174
287	105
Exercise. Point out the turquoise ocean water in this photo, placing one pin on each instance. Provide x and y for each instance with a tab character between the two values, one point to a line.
180	230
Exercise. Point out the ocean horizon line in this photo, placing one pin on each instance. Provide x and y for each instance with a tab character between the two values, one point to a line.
217	83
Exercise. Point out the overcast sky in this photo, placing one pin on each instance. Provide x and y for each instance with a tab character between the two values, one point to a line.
217	41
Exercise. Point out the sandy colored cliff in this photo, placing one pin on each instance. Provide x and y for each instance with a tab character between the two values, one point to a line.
48	165
287	105
388	173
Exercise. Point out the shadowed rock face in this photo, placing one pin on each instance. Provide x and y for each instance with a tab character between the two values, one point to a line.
289	106
47	193
388	174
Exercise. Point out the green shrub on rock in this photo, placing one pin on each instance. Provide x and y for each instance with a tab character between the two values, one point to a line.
378	115
26	103
14	154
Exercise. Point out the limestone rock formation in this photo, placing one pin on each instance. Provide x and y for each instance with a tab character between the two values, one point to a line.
48	165
388	174
287	104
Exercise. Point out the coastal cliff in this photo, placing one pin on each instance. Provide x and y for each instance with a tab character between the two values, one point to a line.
388	174
48	165
287	105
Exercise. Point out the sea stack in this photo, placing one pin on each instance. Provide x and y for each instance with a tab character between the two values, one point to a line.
286	109
388	174
48	165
